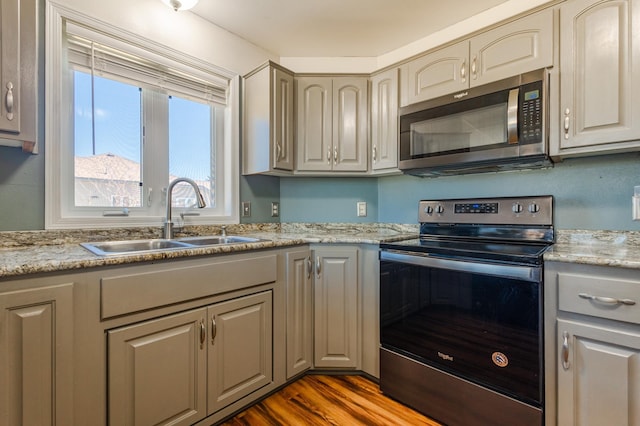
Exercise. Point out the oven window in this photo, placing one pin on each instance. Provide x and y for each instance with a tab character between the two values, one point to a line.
482	328
467	131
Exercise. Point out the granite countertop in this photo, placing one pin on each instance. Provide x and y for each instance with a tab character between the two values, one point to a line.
32	252
603	248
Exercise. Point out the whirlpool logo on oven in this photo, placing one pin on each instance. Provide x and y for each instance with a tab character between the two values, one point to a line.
500	359
445	356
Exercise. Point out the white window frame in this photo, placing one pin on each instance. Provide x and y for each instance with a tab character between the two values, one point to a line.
59	189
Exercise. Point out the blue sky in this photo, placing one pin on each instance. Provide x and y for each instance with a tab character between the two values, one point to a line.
118	126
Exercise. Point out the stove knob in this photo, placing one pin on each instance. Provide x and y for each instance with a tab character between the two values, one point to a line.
428	210
534	208
517	208
439	209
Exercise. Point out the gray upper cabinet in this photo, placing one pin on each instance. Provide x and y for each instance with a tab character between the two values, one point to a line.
384	120
268	121
511	49
331	124
519	46
18	74
435	74
599	78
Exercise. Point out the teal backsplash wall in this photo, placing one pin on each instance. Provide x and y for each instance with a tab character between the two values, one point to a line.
260	191
327	199
589	193
21	190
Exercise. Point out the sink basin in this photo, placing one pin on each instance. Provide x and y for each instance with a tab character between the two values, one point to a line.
210	241
112	248
132	246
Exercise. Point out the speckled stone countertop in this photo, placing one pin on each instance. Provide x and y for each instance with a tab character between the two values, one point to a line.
603	248
32	252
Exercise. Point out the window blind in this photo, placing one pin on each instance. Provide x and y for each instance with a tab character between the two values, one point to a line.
106	56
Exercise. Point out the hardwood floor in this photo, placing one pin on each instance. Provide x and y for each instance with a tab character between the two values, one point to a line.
329	400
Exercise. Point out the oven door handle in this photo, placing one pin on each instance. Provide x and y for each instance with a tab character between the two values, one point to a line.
524	273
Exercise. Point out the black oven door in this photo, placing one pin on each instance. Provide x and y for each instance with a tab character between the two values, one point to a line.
479	321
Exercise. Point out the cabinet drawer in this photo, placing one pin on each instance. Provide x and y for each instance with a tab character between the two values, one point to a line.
599	297
147	289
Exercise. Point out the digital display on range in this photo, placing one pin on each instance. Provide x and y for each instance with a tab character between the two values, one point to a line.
476	208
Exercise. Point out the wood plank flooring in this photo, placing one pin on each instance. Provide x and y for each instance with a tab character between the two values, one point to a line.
329	400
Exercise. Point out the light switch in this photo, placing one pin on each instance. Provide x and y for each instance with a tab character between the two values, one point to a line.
362	208
246	208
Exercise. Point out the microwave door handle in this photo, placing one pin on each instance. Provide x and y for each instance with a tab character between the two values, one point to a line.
512	116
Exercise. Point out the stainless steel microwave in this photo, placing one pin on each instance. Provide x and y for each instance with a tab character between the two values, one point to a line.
498	126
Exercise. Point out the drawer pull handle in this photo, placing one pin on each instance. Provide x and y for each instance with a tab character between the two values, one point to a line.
607	300
565	351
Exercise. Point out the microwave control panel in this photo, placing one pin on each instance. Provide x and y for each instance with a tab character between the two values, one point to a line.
531	112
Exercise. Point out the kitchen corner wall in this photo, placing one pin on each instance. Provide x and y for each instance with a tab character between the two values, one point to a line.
589	193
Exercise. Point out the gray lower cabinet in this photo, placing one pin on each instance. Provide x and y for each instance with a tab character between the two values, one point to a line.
240	348
36	338
336	309
181	368
299	312
592	329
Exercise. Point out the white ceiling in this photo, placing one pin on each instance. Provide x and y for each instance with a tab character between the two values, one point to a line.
336	28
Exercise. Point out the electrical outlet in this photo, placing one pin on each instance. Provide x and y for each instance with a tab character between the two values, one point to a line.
246	208
362	208
275	209
635	200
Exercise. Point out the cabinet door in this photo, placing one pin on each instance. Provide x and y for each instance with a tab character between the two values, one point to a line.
157	371
350	124
600	73
600	382
10	65
36	332
314	148
436	74
336	307
515	48
299	312
240	348
18	73
384	120
282	120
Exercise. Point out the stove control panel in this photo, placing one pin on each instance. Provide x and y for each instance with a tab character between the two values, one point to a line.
536	210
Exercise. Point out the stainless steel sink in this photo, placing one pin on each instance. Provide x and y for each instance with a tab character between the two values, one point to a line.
132	246
113	248
208	241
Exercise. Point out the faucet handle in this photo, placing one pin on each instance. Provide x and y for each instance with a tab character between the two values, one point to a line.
223	230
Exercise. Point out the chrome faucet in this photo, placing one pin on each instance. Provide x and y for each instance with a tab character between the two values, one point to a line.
168	224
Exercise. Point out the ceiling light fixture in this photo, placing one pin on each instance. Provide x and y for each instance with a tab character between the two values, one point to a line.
180	4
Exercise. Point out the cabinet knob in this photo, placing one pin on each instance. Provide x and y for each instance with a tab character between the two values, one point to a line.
375	154
463	71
